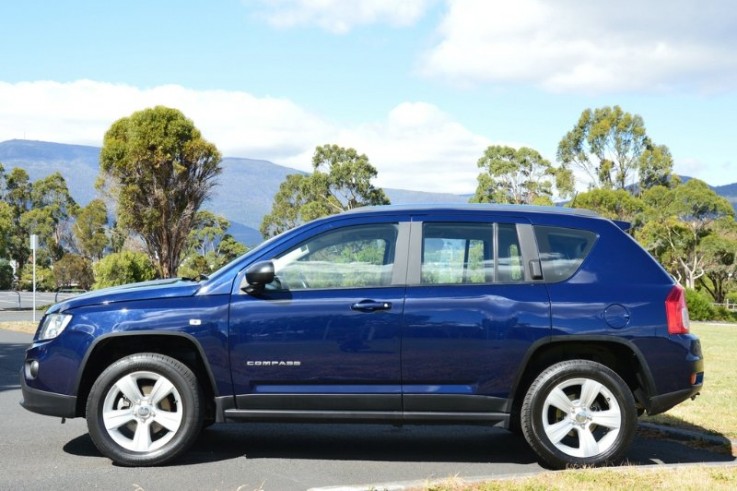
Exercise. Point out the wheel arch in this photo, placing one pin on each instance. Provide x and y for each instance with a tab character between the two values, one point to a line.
109	348
620	355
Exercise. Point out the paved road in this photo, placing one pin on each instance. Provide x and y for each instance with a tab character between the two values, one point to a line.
11	301
19	315
24	300
37	452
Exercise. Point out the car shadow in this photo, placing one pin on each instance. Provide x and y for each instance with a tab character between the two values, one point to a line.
349	442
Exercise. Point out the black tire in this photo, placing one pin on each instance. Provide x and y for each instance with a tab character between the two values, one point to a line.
145	428
600	428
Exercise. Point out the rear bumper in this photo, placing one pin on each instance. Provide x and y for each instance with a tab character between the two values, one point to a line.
662	403
47	403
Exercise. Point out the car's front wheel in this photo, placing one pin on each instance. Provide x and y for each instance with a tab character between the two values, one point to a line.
145	409
578	413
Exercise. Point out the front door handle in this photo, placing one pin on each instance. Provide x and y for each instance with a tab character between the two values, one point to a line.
371	306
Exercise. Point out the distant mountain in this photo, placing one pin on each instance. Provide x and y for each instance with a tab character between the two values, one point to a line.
77	163
244	193
729	191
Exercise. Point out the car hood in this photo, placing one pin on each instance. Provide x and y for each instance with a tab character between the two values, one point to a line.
174	287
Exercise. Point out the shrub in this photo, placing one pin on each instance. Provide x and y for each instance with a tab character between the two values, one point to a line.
123	267
6	275
700	308
73	270
44	279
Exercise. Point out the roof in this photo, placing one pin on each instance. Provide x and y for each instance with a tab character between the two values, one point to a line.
476	207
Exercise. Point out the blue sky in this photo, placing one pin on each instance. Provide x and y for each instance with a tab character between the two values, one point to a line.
421	86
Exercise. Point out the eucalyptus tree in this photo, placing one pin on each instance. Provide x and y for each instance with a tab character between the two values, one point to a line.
613	149
90	229
677	225
616	204
519	176
341	180
209	246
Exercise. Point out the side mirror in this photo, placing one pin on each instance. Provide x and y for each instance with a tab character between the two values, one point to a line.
258	276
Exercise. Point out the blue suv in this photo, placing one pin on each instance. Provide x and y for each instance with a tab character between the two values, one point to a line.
550	322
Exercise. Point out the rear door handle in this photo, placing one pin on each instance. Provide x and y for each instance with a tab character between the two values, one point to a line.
371	306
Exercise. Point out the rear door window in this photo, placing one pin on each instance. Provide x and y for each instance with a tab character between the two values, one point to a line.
470	253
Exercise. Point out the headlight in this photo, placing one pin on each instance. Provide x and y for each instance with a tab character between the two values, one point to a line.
53	325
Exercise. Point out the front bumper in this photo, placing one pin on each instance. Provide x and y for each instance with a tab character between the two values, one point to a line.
47	403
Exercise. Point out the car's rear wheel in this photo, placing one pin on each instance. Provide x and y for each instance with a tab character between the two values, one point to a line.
578	413
145	409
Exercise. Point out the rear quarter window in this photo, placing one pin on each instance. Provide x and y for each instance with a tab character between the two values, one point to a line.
562	250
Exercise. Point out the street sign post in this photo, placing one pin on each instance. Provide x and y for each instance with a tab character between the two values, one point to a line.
34	245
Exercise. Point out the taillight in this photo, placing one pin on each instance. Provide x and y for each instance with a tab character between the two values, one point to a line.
676	311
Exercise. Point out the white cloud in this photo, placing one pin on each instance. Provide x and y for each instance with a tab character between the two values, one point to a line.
340	16
80	112
574	45
416	146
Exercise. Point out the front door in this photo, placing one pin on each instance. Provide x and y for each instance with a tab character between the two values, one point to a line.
326	334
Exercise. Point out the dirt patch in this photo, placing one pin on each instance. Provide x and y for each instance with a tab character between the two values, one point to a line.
27	327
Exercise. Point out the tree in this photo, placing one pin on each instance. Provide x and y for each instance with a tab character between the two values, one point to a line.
613	149
520	176
6	227
73	270
52	207
346	176
160	170
676	225
6	216
207	231
720	258
17	195
6	275
341	180
90	229
209	246
120	268
229	249
44	279
656	168
614	204
289	207
43	208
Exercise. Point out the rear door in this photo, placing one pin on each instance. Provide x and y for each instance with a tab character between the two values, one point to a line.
473	309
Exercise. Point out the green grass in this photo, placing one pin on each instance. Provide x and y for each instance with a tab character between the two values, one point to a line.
642	479
713	410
